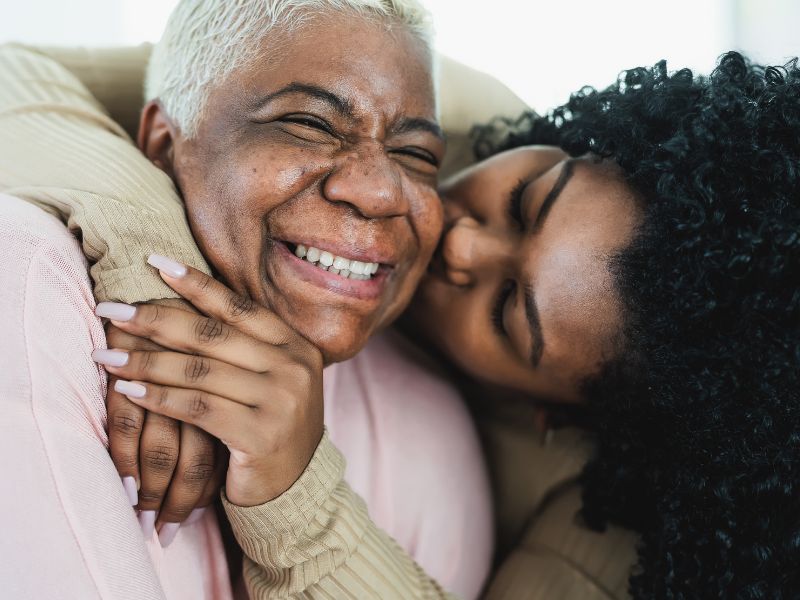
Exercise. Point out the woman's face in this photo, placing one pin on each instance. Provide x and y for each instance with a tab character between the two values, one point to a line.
519	292
331	143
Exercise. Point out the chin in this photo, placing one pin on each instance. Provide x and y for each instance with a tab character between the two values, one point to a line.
335	343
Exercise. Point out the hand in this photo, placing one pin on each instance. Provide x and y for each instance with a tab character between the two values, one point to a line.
177	468
239	373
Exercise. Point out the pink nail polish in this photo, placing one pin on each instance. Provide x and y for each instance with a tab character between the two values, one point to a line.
147	521
111	358
166	265
116	311
167	533
195	516
128	388
129	483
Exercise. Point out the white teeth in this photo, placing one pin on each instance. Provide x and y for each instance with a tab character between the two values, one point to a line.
341	263
338	265
313	255
326	258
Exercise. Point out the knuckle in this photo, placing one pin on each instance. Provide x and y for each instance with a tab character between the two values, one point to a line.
163	396
127	424
143	361
203	283
161	459
150	497
199	470
153	313
198	405
239	307
207	330
196	368
176	513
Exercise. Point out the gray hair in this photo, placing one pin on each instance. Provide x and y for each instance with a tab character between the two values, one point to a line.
207	40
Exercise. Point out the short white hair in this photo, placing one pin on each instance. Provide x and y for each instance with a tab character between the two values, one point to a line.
207	40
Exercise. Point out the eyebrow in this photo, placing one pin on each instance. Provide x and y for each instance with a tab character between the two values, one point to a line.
339	104
418	124
531	308
563	178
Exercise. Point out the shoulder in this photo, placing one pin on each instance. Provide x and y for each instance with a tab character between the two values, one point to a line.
32	235
45	275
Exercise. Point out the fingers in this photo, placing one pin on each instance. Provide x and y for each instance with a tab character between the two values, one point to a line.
194	334
193	472
117	338
125	421
189	371
229	421
216	300
158	457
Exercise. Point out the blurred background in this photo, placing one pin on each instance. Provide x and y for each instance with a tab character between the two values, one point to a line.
541	50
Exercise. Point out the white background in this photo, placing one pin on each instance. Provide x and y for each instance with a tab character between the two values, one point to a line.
542	50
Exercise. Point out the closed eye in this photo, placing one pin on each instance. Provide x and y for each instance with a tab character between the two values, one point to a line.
419	153
498	309
515	203
309	121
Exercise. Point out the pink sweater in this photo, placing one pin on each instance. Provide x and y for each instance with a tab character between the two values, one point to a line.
69	531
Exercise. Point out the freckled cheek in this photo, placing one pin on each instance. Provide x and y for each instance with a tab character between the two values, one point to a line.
427	216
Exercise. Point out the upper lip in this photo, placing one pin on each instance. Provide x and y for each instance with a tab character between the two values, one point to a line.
366	255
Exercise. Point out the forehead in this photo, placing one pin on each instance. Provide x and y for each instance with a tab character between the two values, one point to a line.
375	65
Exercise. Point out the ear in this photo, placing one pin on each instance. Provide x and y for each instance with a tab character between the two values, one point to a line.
156	137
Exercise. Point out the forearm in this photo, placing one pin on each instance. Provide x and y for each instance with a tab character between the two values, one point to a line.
61	151
317	540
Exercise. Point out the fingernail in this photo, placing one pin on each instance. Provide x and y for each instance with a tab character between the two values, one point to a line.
171	267
110	358
195	516
129	483
116	311
168	533
128	388
147	521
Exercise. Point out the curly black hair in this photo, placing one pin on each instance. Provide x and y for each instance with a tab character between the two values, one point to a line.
697	418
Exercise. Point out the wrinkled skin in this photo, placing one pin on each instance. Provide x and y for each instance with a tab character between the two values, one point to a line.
355	175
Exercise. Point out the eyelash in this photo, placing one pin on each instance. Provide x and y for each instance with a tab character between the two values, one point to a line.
515	203
419	154
506	290
309	122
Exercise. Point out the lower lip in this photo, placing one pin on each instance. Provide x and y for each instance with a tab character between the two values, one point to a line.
366	289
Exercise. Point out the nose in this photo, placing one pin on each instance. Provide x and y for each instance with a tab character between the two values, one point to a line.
470	249
370	182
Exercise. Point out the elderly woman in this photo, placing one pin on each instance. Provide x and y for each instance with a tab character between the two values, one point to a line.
271	150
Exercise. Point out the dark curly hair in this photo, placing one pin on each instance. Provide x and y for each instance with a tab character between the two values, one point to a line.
697	419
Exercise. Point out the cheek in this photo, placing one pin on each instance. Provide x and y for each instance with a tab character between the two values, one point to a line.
577	312
427	218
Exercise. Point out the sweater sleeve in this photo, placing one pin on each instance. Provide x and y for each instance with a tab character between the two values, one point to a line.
60	150
316	540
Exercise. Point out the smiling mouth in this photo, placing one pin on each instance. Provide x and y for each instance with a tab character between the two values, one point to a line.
346	268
